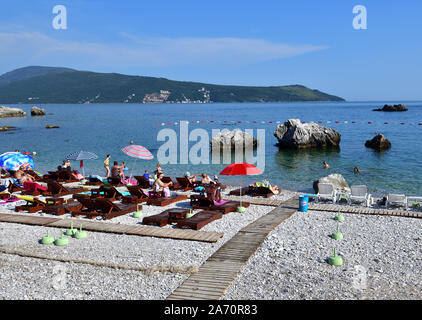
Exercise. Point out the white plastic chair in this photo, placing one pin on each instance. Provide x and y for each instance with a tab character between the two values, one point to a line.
360	194
326	191
396	199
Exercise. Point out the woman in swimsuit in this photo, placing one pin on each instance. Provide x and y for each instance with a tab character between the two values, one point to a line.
106	165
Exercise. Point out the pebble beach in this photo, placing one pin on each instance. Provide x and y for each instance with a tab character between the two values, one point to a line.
381	254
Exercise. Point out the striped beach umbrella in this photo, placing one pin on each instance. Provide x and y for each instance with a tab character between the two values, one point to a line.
137	152
81	156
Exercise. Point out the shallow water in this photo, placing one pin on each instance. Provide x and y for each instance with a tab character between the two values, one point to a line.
106	128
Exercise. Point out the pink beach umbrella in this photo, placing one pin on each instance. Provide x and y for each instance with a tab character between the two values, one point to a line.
137	152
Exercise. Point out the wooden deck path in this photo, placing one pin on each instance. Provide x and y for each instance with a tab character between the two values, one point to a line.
364	210
218	272
148	231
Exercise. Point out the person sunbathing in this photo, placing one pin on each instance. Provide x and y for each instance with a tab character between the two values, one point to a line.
206	179
22	177
160	186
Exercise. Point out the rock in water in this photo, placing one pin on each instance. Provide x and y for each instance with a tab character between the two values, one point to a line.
35	111
379	142
392	108
6	112
227	139
336	179
296	135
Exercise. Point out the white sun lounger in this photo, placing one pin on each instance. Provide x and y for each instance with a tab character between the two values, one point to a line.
360	194
326	192
396	199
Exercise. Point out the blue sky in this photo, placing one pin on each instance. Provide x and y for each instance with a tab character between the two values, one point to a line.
279	42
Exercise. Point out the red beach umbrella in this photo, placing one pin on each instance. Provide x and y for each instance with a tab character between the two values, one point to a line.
240	169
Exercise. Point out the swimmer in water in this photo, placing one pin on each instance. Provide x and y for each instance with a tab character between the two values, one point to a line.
325	165
356	170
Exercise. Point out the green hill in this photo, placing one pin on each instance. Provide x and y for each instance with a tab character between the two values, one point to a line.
62	85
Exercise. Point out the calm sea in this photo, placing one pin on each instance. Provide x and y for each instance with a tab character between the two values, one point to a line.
106	128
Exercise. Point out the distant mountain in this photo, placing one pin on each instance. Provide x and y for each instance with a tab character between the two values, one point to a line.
63	85
29	72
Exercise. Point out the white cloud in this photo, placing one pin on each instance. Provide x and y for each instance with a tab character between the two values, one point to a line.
28	48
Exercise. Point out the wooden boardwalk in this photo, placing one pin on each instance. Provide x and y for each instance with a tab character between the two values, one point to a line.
218	272
147	231
363	210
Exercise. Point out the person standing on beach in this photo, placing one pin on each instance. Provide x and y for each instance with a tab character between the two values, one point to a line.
107	165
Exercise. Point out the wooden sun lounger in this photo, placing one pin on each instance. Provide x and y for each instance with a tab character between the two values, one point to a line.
116	182
66	176
202	202
173	215
62	208
31	206
137	195
4	195
185	184
13	187
56	189
109	209
109	192
164	201
143	182
88	208
175	186
200	219
253	192
94	182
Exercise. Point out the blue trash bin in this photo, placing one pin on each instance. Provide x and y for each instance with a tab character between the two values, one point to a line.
303	203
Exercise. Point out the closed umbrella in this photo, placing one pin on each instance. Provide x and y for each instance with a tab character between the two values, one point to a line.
137	152
14	160
240	169
81	156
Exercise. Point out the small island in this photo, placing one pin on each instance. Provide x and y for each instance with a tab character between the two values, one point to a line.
392	108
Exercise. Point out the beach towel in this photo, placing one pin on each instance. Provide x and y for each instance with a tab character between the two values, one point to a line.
77	175
220	203
33	186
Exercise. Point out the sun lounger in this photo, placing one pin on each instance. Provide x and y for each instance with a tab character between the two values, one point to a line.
137	195
253	192
396	200
56	189
360	194
326	192
160	219
66	176
143	182
33	188
200	219
4	195
116	182
94	182
62	208
175	186
31	206
88	209
164	201
14	187
109	192
225	206
109	209
185	183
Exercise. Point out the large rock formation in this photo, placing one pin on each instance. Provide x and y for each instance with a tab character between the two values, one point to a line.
296	135
336	179
392	108
379	142
6	112
35	111
227	139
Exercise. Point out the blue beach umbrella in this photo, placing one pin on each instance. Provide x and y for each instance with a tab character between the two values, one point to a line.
81	156
13	160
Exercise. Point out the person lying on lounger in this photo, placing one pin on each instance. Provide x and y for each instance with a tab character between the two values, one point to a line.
160	186
266	184
22	177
